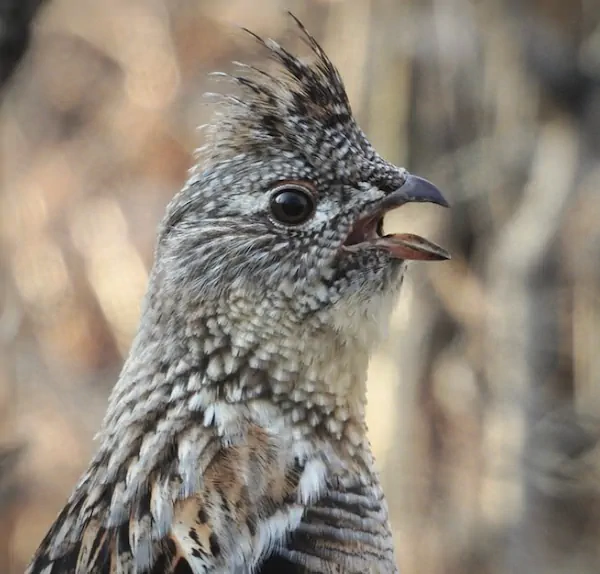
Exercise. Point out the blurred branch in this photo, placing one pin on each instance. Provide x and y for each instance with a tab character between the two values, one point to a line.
10	492
9	458
16	17
523	312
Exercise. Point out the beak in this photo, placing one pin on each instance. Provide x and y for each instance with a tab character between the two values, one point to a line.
407	245
414	188
367	230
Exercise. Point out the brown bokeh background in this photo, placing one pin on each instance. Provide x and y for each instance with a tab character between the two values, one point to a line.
484	399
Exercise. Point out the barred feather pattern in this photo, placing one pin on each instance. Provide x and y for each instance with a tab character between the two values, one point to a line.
220	465
235	438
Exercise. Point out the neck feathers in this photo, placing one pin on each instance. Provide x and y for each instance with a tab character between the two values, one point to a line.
304	375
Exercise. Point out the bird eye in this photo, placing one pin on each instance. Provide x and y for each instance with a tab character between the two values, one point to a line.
292	203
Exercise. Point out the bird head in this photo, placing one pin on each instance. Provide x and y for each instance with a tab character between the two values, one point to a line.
284	212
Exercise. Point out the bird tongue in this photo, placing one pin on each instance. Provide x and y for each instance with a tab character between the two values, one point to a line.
410	246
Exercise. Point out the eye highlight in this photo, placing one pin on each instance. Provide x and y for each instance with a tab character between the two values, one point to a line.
292	203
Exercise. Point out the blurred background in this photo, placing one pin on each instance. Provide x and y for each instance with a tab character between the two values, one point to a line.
484	402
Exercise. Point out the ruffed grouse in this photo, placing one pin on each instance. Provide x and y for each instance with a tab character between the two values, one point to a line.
235	438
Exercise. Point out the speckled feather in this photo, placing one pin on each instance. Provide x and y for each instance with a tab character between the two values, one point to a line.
235	439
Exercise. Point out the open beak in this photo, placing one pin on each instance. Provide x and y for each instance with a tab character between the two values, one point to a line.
368	230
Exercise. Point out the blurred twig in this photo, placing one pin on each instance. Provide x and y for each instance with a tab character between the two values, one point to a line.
16	17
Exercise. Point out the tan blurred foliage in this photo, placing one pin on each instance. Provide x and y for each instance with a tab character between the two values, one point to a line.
484	400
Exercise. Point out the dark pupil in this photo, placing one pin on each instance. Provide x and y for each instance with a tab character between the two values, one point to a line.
291	206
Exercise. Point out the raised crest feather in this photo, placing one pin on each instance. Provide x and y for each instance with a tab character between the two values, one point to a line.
287	108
